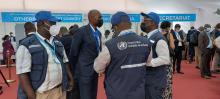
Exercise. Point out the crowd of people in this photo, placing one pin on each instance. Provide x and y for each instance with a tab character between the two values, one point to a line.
61	63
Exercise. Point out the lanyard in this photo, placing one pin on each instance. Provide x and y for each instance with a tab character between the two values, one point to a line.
52	48
177	35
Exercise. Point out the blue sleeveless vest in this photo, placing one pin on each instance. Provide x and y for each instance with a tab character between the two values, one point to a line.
39	58
125	75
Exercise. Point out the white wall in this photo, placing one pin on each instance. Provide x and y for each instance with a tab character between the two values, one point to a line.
207	16
204	9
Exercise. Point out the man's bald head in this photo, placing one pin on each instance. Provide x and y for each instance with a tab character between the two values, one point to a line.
94	17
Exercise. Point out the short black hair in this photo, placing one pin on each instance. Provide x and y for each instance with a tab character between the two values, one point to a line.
75	26
177	26
192	27
165	24
29	26
5	37
107	32
73	29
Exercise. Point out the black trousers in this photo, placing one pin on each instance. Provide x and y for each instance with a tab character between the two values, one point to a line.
88	87
191	52
177	59
74	94
205	62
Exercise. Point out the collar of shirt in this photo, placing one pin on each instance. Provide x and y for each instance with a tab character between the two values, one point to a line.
92	28
43	38
30	33
152	32
125	31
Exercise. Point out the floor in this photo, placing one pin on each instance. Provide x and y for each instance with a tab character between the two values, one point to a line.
187	86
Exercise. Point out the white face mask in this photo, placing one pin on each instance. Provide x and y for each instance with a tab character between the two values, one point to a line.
178	31
54	30
208	29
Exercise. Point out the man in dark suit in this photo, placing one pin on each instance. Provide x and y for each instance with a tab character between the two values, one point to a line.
67	41
190	38
205	47
178	41
86	45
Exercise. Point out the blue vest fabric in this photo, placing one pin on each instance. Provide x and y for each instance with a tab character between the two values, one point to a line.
126	83
39	58
156	77
153	42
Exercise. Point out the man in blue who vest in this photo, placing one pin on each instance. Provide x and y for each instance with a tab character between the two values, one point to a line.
123	60
156	76
41	63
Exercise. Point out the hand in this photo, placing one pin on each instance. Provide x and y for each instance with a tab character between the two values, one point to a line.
31	95
101	74
71	85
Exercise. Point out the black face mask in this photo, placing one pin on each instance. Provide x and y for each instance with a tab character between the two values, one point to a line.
100	23
143	27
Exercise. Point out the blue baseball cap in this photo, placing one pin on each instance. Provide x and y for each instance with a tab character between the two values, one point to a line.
153	16
120	17
45	15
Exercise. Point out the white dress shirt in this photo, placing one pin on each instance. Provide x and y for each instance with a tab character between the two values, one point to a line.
54	70
99	41
179	38
104	58
162	51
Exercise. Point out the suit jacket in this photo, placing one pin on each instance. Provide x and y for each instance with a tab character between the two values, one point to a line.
203	42
84	51
176	41
67	41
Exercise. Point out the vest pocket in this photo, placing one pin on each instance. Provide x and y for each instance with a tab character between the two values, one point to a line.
38	62
37	55
35	75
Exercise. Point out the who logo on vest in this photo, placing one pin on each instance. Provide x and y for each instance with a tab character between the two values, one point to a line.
122	45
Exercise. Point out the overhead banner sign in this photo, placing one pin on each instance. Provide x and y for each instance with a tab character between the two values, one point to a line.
30	16
76	17
134	17
178	17
106	18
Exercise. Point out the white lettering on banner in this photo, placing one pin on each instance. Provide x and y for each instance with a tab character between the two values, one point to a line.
132	18
133	65
175	18
23	19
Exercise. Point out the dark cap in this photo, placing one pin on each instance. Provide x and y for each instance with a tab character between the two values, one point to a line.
45	15
153	16
120	17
